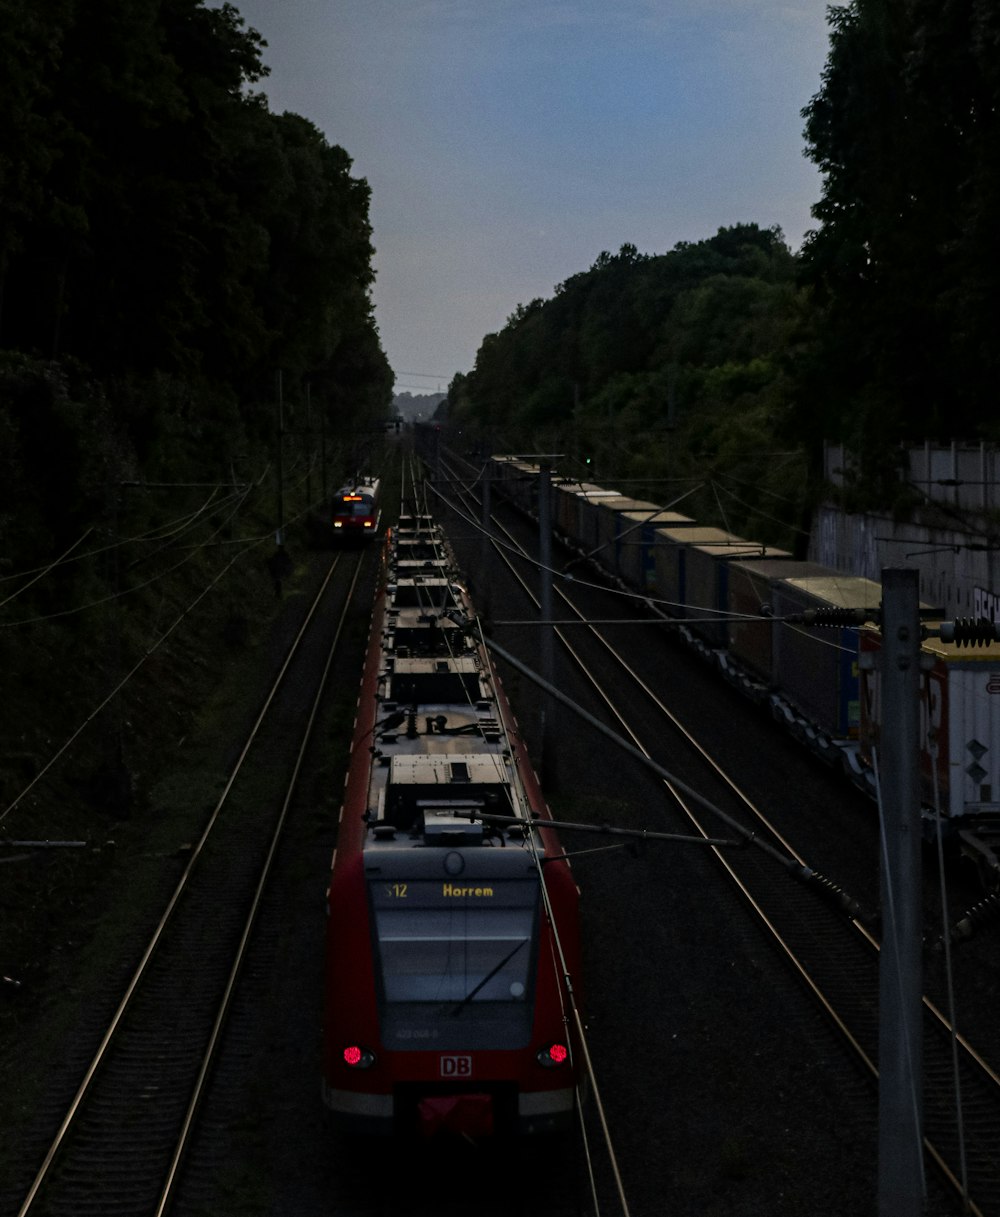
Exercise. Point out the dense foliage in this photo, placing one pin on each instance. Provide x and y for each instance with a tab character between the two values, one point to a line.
905	265
882	330
664	372
167	245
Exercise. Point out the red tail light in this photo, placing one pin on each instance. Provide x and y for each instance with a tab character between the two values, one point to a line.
356	1057
553	1055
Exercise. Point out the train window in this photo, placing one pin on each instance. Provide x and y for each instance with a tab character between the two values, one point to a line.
459	961
470	955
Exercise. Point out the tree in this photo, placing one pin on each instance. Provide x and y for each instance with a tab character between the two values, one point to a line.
903	265
649	363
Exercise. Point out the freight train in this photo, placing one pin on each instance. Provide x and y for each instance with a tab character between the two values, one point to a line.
734	600
452	946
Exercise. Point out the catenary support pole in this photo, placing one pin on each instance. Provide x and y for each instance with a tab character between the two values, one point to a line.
279	533
901	1189
486	555
545	594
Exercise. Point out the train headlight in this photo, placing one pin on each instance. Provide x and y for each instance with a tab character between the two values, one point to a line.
368	523
553	1055
356	1057
337	524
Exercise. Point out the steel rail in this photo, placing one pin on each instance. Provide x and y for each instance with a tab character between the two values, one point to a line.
158	933
188	1125
972	1057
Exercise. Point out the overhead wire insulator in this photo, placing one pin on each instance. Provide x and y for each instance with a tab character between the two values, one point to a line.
832	894
969	632
979	915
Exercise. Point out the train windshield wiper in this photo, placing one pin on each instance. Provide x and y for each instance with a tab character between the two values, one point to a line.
488	977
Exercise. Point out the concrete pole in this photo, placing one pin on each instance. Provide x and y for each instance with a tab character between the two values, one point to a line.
486	555
901	1189
545	592
309	447
279	535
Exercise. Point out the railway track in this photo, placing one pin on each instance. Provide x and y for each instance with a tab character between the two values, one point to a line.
123	1143
316	1172
830	946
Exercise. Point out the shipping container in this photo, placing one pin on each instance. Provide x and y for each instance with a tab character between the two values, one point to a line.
610	528
751	595
564	507
589	514
578	515
817	666
671	551
959	723
710	570
636	538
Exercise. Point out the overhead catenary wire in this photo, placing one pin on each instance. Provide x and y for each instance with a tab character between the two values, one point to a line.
118	595
747	836
117	688
638	598
150	650
235	500
566	988
42	571
795	621
803	532
158	532
949	980
508	761
794	866
943	901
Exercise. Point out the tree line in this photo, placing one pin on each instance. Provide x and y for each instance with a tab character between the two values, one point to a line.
731	359
167	245
667	371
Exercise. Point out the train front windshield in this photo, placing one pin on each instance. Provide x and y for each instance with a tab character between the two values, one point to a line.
456	962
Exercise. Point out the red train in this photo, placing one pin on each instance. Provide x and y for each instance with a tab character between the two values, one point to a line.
355	512
452	939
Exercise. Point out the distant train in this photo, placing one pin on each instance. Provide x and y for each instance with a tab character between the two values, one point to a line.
452	947
355	511
732	599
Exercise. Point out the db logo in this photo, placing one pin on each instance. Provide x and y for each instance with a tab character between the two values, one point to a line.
456	1066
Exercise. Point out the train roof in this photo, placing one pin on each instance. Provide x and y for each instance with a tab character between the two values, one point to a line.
363	485
838	590
779	567
624	502
440	752
751	551
588	489
660	518
706	537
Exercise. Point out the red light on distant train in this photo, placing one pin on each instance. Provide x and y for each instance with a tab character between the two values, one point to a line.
358	1058
352	1055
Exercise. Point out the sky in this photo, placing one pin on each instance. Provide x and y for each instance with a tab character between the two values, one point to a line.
507	143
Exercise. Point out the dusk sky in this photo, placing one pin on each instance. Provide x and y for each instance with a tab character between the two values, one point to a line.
508	142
